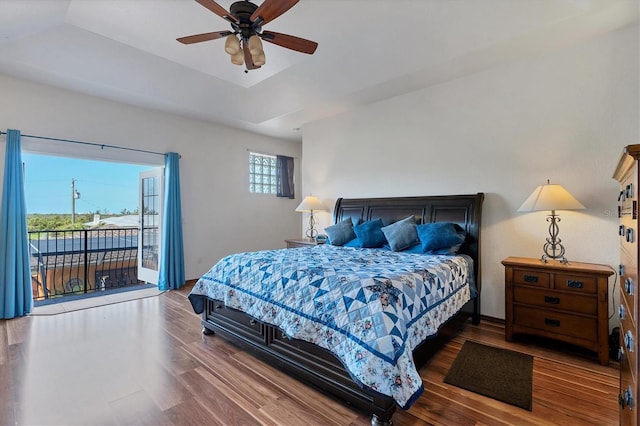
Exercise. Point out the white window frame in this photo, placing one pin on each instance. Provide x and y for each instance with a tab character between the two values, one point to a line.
150	232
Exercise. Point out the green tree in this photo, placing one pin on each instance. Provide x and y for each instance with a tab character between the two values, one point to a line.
56	222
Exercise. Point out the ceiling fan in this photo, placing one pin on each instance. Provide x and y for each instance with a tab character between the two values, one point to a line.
247	20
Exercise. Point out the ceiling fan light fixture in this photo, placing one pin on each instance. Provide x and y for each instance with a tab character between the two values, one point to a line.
255	45
259	60
237	58
232	45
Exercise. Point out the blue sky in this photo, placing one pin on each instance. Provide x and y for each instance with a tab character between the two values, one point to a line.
103	186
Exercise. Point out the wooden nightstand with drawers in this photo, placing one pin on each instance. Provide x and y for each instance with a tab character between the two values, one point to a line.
562	301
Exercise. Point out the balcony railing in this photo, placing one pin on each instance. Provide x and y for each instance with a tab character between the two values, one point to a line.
86	261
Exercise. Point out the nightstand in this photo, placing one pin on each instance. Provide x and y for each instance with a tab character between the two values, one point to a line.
562	301
300	242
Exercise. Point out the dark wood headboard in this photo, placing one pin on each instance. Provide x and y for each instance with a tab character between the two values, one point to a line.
464	210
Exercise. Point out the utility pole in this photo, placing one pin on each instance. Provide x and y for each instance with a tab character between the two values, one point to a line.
73	200
74	196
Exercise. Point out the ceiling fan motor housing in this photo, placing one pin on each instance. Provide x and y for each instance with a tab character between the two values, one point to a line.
242	11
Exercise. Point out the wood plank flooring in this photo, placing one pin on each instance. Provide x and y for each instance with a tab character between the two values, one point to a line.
145	362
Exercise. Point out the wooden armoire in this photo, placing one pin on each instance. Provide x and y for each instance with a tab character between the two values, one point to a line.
626	174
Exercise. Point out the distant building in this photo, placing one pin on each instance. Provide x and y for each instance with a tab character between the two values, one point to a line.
127	221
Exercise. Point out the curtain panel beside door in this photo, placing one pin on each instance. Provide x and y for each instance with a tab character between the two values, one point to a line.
172	273
16	298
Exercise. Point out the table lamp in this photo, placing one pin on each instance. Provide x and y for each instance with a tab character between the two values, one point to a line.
311	204
551	197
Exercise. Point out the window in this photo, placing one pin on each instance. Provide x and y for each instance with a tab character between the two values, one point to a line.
262	173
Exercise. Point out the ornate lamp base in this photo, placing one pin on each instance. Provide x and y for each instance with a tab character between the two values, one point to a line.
311	233
553	249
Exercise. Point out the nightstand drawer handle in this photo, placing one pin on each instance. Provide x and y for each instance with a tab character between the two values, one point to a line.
575	284
628	286
621	230
622	399
531	278
629	236
628	398
620	269
621	311
628	341
552	300
552	322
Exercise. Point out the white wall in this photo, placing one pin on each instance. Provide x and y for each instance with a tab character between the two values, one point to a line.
564	116
219	215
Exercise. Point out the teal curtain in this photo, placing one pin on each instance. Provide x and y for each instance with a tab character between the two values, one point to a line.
16	298
172	257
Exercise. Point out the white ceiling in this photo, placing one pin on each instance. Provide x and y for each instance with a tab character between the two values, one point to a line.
126	50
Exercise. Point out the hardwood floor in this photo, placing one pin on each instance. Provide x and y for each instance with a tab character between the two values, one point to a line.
145	362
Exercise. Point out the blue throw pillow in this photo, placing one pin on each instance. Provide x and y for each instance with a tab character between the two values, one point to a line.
439	236
416	249
340	233
352	243
370	233
401	234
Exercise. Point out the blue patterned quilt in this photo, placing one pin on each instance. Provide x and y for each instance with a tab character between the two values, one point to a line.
369	307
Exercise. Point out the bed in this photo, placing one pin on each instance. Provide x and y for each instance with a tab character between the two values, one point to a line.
356	328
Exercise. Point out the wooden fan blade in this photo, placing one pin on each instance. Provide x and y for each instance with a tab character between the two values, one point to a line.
218	10
248	60
271	9
197	38
290	42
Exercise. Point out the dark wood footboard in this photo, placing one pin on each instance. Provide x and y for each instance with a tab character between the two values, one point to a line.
309	363
304	361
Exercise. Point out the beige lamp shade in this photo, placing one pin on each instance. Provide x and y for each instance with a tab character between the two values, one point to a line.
310	204
237	58
255	45
550	197
259	60
232	45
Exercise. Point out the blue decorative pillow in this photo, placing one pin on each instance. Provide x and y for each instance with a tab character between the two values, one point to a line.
352	243
401	234
370	233
439	236
415	249
340	233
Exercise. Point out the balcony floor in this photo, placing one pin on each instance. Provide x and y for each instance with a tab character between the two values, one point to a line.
75	303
